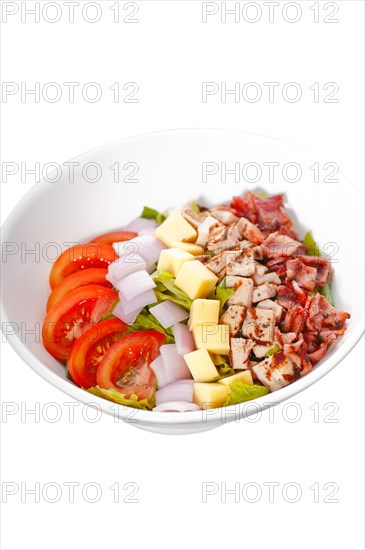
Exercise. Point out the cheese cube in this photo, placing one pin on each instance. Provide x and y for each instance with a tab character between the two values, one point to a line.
192	248
175	228
171	260
209	396
196	280
201	366
204	311
212	337
245	376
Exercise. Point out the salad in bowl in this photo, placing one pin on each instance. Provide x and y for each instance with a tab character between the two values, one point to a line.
193	309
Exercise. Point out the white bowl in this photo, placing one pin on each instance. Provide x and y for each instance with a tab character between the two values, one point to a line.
170	175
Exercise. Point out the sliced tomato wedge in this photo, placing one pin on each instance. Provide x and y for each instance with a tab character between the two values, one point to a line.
83	277
81	256
72	315
115	237
89	350
125	366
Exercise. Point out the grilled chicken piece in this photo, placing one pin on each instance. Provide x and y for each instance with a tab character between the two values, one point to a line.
194	218
224	216
266	278
250	232
275	371
257	252
223	237
217	264
233	317
242	295
259	324
276	245
262	292
270	304
242	264
204	230
240	353
260	270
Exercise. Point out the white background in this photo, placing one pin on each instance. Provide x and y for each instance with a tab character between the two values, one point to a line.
169	53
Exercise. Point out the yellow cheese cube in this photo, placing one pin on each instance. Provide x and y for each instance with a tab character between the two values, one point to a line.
196	280
175	228
201	365
209	396
204	311
212	337
192	248
171	260
244	376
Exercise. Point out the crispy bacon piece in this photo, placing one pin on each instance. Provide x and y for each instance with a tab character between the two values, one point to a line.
276	245
312	341
297	352
300	293
286	297
323	267
315	356
284	338
322	316
245	206
278	265
304	275
295	319
271	215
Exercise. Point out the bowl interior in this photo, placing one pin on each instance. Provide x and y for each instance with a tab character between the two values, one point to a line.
167	170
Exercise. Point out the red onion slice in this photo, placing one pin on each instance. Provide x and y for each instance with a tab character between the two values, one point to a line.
146	246
184	339
125	266
182	390
138	302
168	313
128	318
132	285
177	406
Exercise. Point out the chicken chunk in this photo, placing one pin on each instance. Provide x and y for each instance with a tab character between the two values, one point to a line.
242	295
242	264
259	324
233	317
223	237
262	292
240	351
266	278
194	218
275	371
260	350
204	230
260	269
274	306
224	216
250	231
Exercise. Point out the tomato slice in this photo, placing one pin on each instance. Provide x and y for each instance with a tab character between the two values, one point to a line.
83	277
89	350
115	237
72	315
125	366
81	256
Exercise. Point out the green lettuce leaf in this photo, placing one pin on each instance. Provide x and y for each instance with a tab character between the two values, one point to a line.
194	206
152	214
272	350
117	397
326	292
311	244
146	321
165	283
223	365
241	392
222	293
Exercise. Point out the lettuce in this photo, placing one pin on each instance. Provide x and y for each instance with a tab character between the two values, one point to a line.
152	214
223	365
311	244
194	206
241	392
222	293
165	284
272	350
146	321
117	397
326	292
